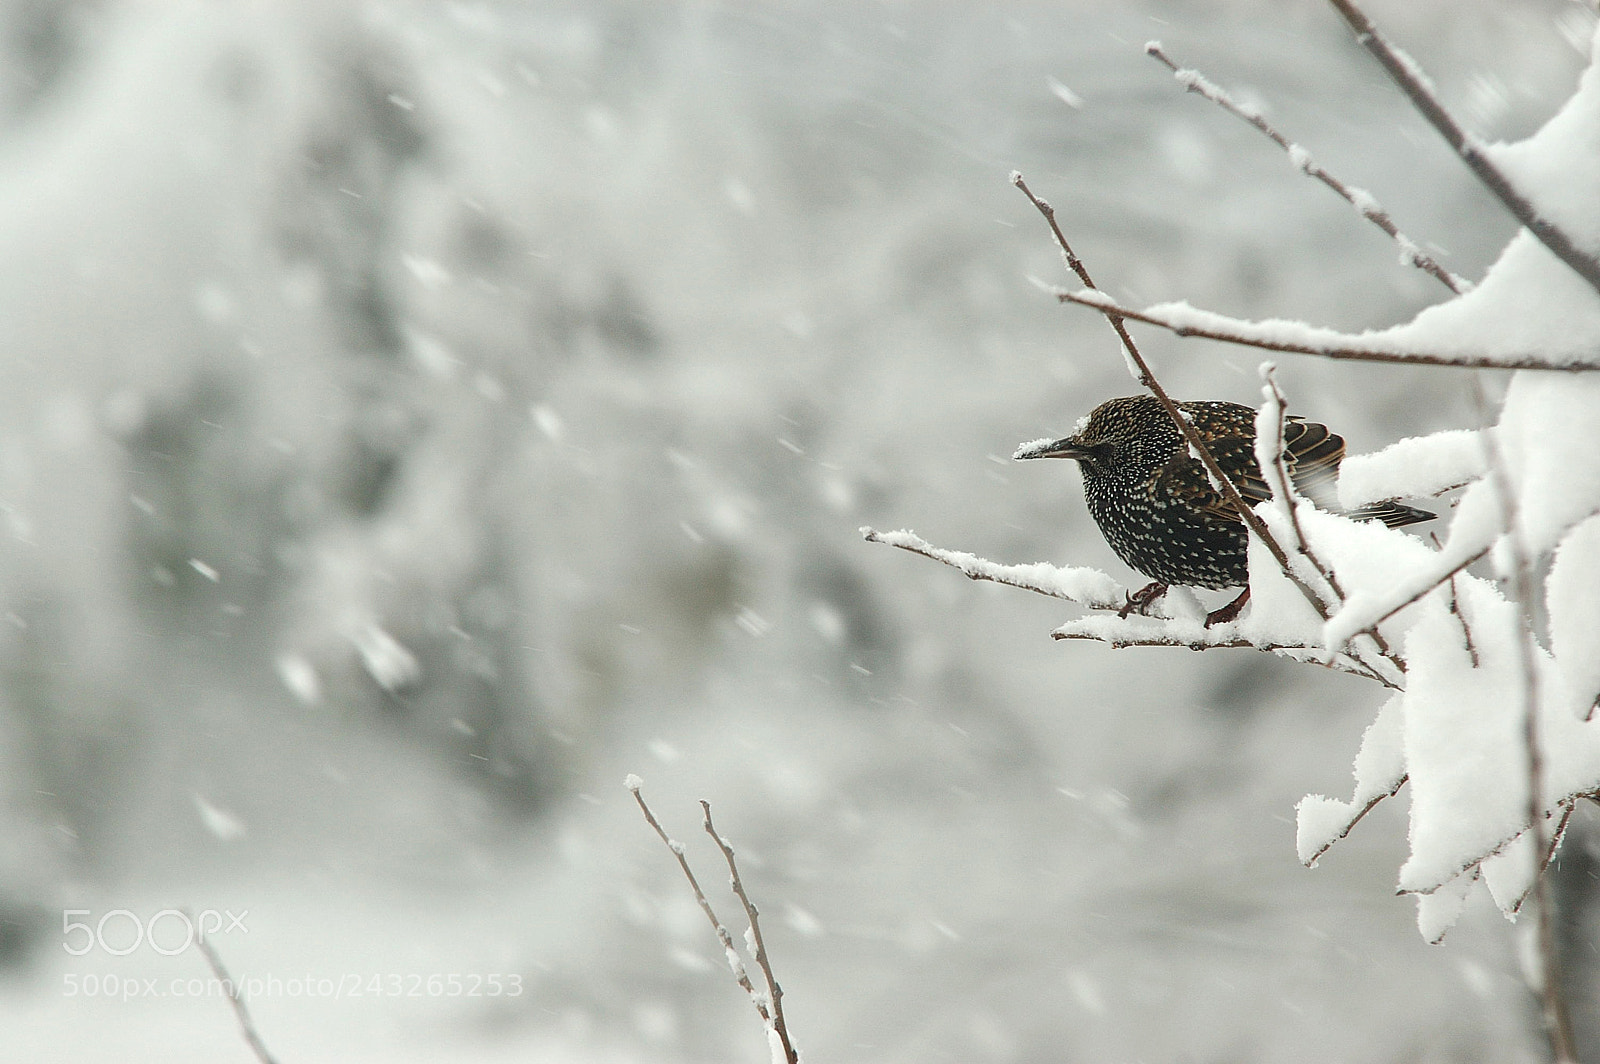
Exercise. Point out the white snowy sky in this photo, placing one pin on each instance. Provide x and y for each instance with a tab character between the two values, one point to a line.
413	418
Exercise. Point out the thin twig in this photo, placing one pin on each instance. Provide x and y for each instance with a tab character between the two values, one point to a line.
633	783
235	993
1420	593
1350	825
1558	1024
1028	577
1283	492
1458	612
758	946
1405	73
1182	320
1567	806
1362	200
1310	655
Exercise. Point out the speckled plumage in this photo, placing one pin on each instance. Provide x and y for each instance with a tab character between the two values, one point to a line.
1154	503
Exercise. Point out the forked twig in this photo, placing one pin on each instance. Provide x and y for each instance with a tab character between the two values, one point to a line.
1458	612
1273	467
1405	73
234	991
1310	655
1277	472
771	1017
1359	198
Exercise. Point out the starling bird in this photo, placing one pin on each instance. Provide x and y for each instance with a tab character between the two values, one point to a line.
1157	508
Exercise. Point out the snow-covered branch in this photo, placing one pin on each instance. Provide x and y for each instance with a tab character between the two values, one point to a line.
1087	587
1296	337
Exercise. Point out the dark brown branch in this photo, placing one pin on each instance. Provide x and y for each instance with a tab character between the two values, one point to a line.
1116	312
1283	490
1372	803
1405	74
1366	206
1310	655
1283	493
1457	612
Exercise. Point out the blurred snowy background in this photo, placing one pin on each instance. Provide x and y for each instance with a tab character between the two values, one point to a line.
414	417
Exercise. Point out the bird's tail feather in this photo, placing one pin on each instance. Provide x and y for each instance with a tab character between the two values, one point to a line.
1393	514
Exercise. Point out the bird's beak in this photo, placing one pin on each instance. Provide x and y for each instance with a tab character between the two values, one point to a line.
1048	448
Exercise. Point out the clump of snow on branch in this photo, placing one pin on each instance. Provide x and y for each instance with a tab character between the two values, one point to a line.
1418	466
1457	731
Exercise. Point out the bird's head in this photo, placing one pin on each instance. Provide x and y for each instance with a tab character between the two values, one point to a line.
1103	439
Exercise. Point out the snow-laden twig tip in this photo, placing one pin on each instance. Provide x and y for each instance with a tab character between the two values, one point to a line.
632	782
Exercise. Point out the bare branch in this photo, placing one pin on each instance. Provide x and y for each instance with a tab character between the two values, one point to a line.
1421	591
1567	805
1171	635
1362	200
1184	320
633	783
758	946
1283	493
1270	459
234	991
1405	73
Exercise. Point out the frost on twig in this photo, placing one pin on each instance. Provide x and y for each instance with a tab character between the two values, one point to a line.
768	1001
1363	201
1087	587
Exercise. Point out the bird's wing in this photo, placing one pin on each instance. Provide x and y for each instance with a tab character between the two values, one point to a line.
1229	431
1312	455
1184	479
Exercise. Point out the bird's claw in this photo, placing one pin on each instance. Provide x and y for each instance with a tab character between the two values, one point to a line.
1139	601
1230	611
